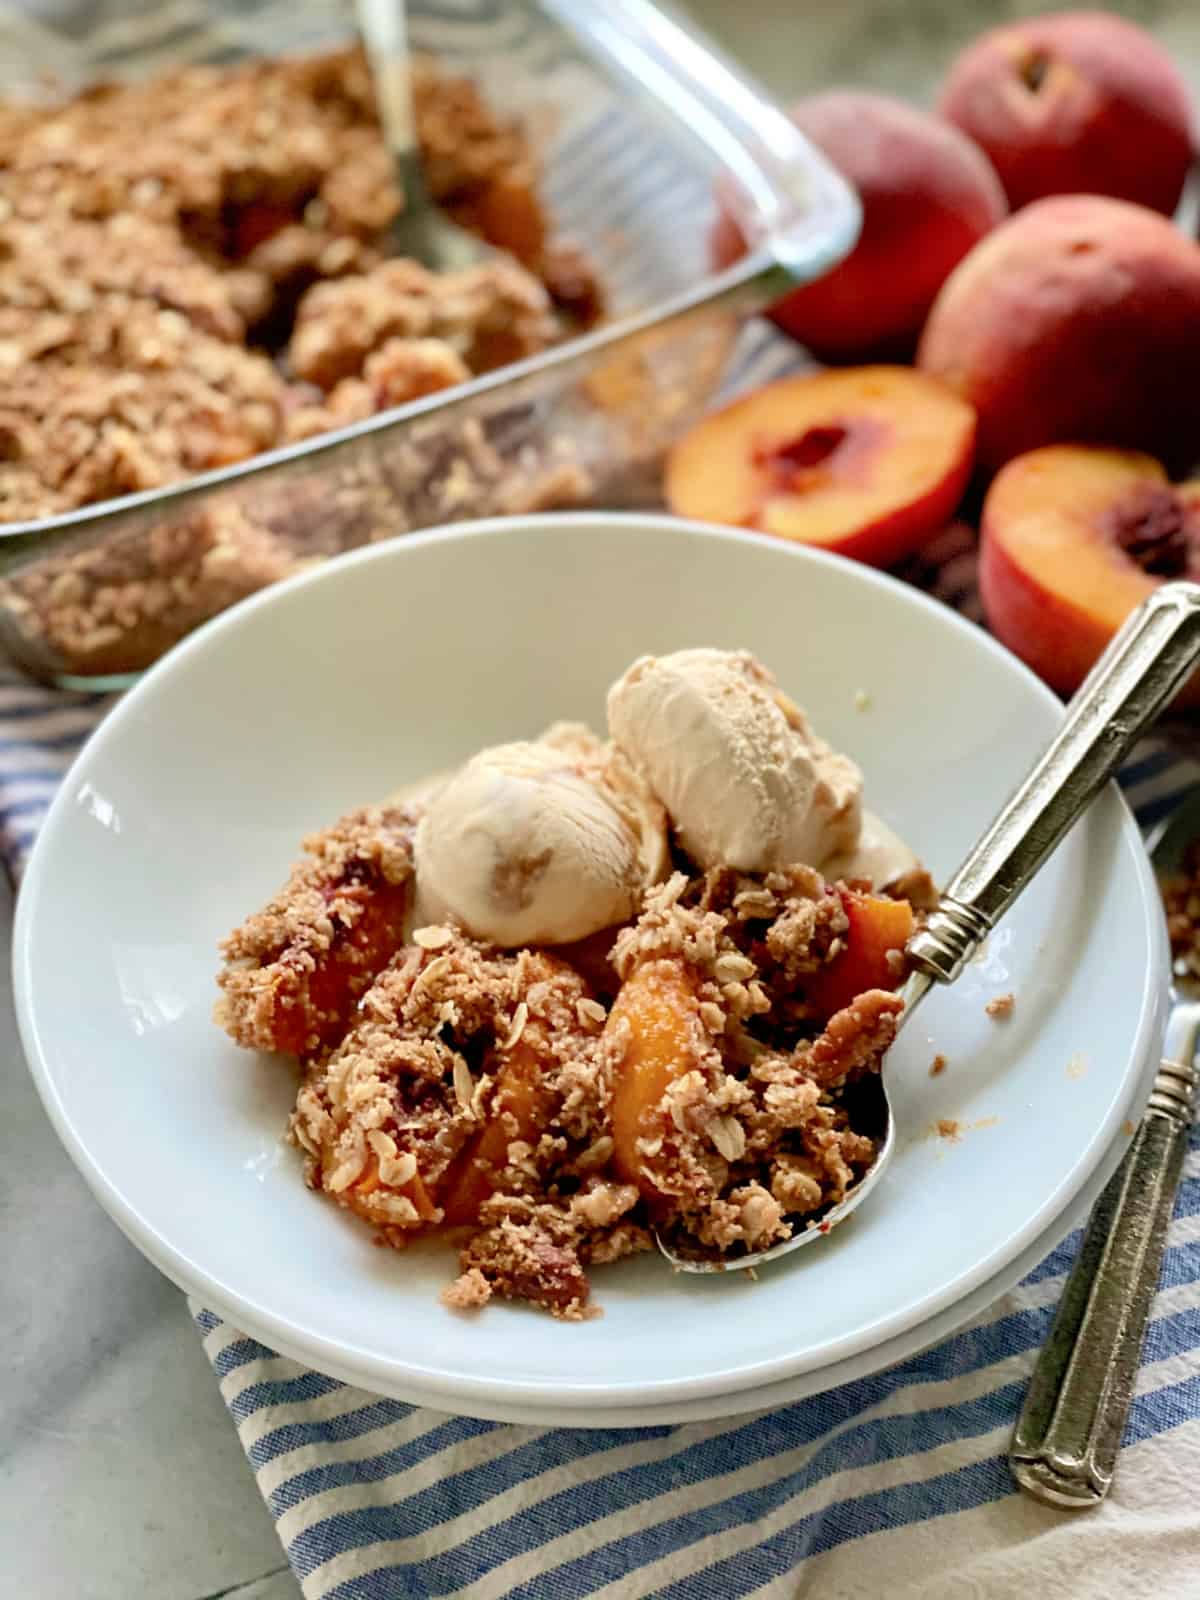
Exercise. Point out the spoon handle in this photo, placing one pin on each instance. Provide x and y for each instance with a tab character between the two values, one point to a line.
1140	672
1065	1444
383	25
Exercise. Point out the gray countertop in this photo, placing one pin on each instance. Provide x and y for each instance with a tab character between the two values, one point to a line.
900	46
121	1476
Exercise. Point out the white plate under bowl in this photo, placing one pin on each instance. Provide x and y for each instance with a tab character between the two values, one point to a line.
184	812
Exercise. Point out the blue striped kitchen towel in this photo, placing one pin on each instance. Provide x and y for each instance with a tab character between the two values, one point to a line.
895	1483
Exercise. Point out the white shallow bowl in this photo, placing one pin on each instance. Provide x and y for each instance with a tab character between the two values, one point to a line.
185	810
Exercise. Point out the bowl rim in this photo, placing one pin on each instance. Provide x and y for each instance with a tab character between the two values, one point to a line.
359	1367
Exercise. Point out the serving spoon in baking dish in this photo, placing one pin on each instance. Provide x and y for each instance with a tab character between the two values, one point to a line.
422	231
1136	678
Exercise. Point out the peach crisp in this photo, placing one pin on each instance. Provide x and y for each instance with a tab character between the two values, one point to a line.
583	992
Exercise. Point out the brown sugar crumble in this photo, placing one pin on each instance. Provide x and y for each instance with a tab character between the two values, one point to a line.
1001	1007
194	269
948	1128
937	1066
445	1082
1181	901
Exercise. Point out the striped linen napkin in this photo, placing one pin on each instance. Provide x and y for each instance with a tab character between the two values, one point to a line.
896	1483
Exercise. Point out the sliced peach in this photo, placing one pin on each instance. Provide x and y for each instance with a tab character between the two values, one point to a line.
878	926
867	461
337	980
257	222
507	213
342	921
658	1004
517	1111
367	1183
1073	538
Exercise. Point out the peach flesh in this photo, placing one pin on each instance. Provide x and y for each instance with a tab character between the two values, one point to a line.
1073	538
867	461
658	1006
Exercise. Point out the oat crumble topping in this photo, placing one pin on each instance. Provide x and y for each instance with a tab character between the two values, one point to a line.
295	970
1181	900
193	269
445	1082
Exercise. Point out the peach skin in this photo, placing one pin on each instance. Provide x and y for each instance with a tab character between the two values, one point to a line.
1076	320
1073	538
865	461
1080	102
927	193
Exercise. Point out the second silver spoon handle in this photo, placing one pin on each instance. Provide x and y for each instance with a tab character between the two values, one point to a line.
1136	677
1065	1444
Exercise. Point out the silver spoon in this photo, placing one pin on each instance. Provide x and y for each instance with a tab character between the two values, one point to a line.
1137	676
1065	1445
422	231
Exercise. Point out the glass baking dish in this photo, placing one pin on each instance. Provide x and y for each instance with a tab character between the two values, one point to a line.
637	116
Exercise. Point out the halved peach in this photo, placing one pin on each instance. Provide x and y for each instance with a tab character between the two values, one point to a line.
659	1006
878	927
867	461
1073	538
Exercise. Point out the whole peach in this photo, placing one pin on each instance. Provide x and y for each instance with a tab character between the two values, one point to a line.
927	196
1077	320
1077	102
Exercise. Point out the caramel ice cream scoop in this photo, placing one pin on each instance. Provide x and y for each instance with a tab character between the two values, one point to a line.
535	843
745	780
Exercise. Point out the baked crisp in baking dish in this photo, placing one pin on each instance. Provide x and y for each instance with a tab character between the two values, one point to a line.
197	268
194	269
